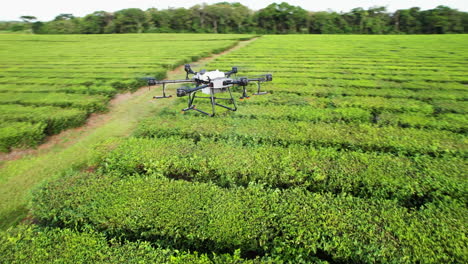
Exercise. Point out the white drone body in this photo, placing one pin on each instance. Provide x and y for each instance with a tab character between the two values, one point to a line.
211	83
217	78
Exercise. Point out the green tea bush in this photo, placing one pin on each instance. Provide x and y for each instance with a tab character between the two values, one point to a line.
383	104
89	103
20	135
79	89
410	181
307	112
33	244
310	89
56	118
292	225
280	132
201	217
450	106
452	122
374	104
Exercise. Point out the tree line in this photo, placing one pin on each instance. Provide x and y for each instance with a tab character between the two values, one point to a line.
276	18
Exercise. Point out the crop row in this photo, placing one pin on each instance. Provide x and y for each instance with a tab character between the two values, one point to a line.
67	75
289	61
360	74
292	225
89	86
33	244
313	68
390	77
383	92
281	132
56	118
410	85
374	103
86	102
306	112
347	66
445	121
37	88
334	64
20	134
410	181
326	111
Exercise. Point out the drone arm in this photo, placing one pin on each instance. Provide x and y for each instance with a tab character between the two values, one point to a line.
265	78
186	90
173	81
245	81
234	70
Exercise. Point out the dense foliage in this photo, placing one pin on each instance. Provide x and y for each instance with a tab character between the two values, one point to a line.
286	225
78	75
33	244
276	18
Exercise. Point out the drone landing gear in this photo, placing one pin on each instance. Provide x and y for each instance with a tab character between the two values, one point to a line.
212	98
258	91
244	91
164	93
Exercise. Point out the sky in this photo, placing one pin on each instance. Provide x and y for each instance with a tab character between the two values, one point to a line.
46	10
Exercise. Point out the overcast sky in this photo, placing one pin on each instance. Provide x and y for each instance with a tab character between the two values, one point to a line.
47	9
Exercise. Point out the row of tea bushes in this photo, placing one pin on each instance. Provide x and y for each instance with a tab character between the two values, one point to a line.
368	103
347	75
34	244
20	135
319	111
288	112
292	225
383	92
56	118
90	103
362	137
450	106
107	90
411	182
448	121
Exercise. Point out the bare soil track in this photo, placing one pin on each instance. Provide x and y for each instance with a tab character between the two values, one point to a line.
95	120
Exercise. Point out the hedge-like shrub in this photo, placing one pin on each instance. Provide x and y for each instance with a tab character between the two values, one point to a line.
410	181
293	224
56	118
90	103
33	244
20	135
280	132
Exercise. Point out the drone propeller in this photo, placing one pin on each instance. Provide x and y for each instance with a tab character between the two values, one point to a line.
188	70
232	71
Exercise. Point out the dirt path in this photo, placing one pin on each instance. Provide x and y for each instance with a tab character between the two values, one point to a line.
71	136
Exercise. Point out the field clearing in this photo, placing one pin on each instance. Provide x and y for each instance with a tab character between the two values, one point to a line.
363	164
79	72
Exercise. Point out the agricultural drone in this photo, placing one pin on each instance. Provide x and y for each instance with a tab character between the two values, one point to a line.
210	83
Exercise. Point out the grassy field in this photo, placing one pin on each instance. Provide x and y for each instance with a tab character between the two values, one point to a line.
357	155
51	83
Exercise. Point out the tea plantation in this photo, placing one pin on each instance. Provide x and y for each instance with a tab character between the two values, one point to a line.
50	83
357	155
